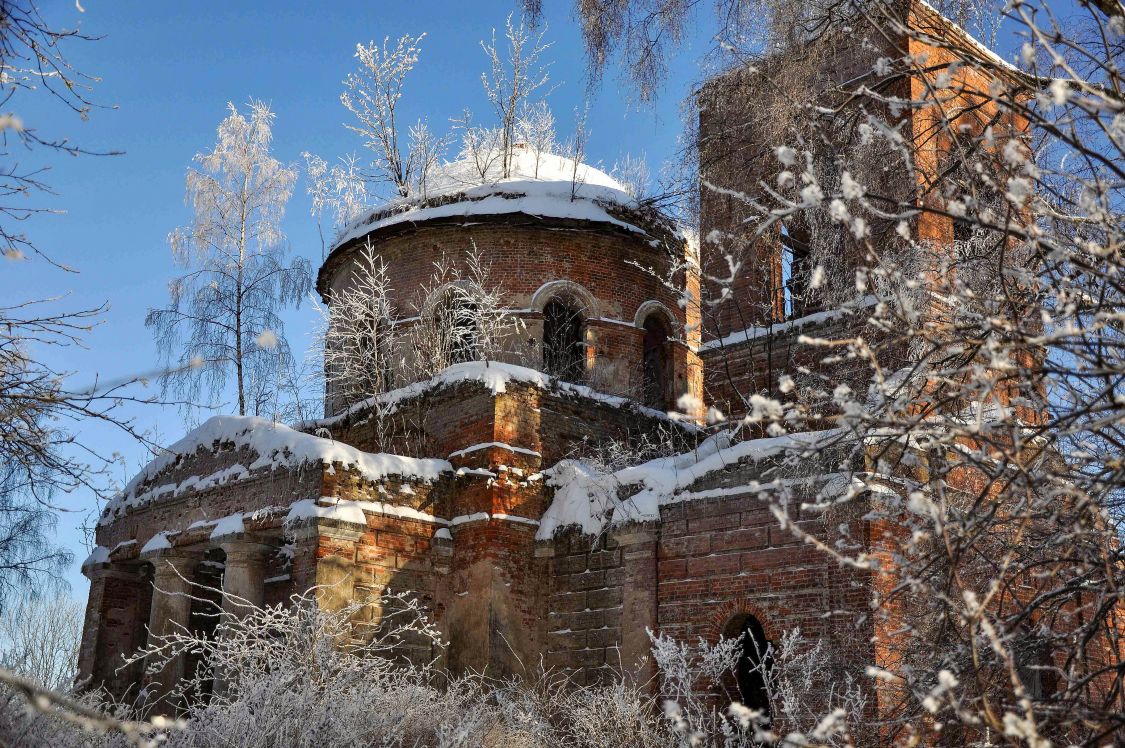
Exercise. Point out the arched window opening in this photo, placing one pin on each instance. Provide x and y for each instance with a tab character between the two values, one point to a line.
564	345
754	664
206	613
456	322
795	272
1039	676
655	369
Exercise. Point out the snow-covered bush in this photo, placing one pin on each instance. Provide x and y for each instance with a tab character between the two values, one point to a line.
296	674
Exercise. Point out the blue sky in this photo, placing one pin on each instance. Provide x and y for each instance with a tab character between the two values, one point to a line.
170	68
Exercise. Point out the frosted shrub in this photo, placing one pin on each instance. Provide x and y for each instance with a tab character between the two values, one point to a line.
298	675
462	316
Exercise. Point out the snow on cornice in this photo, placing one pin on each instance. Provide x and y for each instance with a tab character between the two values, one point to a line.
588	498
978	46
495	376
544	185
274	446
783	328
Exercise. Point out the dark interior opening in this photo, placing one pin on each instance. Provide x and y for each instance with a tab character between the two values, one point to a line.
564	346
655	365
459	321
754	666
796	272
206	613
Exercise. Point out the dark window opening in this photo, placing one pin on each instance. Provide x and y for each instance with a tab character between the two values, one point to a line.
1039	676
144	606
206	613
754	666
564	347
796	272
962	230
456	319
655	367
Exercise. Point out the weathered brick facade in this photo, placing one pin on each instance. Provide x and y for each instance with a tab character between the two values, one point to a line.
466	542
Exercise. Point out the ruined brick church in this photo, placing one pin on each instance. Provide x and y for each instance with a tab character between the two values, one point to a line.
474	500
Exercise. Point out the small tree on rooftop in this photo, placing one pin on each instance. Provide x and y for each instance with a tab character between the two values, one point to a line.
372	94
515	73
224	312
339	191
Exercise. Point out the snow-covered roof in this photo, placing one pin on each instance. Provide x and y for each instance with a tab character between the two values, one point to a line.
495	376
538	184
588	497
274	446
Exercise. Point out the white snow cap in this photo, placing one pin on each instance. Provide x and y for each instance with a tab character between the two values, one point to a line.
543	184
526	167
274	446
589	498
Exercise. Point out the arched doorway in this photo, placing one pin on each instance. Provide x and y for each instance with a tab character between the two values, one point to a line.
656	368
754	664
564	344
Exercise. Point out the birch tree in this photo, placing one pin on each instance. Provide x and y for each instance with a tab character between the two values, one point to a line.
339	191
224	313
41	406
372	94
39	639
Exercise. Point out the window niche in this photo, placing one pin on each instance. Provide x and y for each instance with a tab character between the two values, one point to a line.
564	340
656	368
796	272
455	320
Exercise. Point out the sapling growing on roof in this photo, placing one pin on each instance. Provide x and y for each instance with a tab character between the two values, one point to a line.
512	78
372	95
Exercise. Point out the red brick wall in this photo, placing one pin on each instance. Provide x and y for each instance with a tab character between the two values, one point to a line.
715	559
584	607
523	255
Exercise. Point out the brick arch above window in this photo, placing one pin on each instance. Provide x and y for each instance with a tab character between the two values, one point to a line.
731	615
568	291
649	308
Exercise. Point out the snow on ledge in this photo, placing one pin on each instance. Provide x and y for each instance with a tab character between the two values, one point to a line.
588	498
495	376
493	445
781	328
347	510
274	446
158	542
100	555
232	525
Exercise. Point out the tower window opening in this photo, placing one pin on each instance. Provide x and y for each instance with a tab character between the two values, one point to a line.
564	347
655	368
962	231
795	272
456	323
754	665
